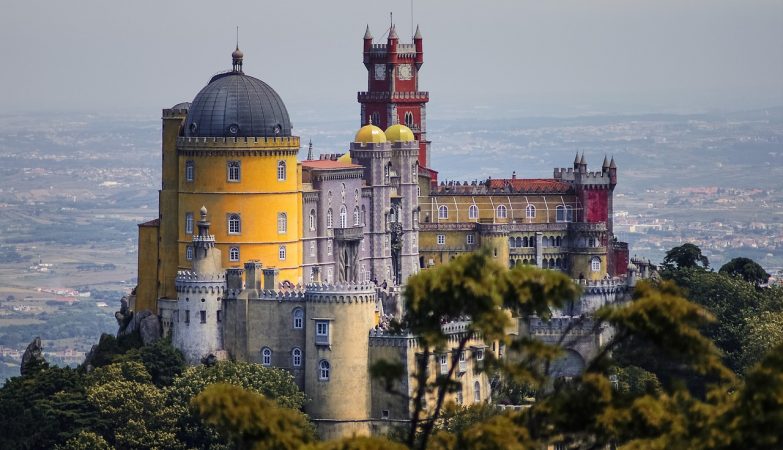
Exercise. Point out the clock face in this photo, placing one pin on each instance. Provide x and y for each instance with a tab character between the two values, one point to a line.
380	71
405	71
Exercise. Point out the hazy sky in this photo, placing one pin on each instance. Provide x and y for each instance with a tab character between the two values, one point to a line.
549	57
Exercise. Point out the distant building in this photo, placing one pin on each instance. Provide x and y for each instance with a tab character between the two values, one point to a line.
260	257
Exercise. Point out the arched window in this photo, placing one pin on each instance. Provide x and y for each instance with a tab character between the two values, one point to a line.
329	219
409	119
281	253
296	357
343	217
519	242
476	392
312	248
443	212
312	220
415	169
502	212
545	242
551	263
329	247
512	243
386	173
298	316
530	212
558	263
595	264
266	356
356	195
281	171
234	226
356	218
524	242
569	214
323	370
233	254
376	119
558	242
473	212
282	223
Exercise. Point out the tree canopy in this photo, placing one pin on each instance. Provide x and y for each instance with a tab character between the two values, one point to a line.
686	256
747	269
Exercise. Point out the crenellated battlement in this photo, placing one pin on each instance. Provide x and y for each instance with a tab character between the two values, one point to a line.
191	276
558	325
238	143
175	113
340	293
296	295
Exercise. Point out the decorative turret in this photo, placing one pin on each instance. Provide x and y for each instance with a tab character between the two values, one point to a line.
367	40
310	150
576	162
418	42
605	165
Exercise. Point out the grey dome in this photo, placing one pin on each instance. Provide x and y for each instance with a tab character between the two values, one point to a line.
236	105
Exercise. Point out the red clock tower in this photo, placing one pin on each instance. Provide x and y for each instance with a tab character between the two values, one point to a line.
393	94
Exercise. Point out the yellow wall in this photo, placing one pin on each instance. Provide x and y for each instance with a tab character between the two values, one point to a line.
258	197
147	287
167	203
458	206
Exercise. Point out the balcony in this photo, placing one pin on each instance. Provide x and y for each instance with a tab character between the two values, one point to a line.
349	233
411	97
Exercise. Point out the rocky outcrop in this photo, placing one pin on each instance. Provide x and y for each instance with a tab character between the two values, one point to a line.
145	322
33	357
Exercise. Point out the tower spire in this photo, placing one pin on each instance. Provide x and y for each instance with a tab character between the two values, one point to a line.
237	56
367	33
418	33
310	150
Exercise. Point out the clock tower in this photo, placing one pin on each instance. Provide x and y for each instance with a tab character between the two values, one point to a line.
393	94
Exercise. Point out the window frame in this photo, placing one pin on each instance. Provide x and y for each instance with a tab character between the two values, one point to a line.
282	223
441	239
234	217
297	318
296	357
530	211
501	212
473	212
443	212
281	170
324	370
233	254
189	252
233	171
282	252
266	357
189	223
470	239
190	171
595	264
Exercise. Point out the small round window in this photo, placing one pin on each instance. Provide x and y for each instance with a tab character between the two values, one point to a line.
233	128
193	127
277	129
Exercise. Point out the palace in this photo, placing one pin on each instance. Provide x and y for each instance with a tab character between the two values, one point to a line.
260	257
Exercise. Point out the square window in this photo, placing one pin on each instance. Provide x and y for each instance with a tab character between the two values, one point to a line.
471	239
321	332
203	315
441	239
219	318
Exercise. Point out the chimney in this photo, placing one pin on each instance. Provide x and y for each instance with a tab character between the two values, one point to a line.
270	278
234	279
253	275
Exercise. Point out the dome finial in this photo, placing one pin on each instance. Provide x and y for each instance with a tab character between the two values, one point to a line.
237	56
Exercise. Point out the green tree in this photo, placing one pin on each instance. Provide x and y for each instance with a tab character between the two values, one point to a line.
764	333
474	285
85	440
250	420
275	384
686	256
747	269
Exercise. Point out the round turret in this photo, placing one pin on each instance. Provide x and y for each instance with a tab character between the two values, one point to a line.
370	134
399	133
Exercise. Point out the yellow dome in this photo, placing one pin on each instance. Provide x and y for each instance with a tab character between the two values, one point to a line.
345	158
370	134
399	132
